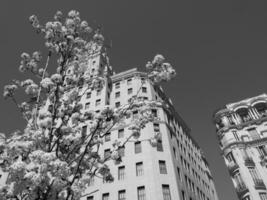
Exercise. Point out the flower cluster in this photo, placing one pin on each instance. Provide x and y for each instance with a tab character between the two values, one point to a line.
30	63
159	70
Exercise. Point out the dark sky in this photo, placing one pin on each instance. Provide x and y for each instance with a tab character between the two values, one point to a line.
217	47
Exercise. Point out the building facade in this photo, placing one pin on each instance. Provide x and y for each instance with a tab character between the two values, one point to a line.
242	132
172	168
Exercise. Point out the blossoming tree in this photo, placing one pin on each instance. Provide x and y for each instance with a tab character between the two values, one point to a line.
52	158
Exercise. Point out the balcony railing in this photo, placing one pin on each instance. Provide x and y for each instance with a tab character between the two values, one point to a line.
259	184
249	162
232	167
241	189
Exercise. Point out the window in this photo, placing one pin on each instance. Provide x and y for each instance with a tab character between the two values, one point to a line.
117	94
162	167
246	198
236	135
107	137
122	195
262	151
129	81
135	114
130	90
121	151
120	133
159	145
88	95
230	157
179	174
254	134
84	130
90	198
183	195
156	127
137	147
139	169
117	104
174	152
154	112
141	194
263	196
98	92
107	153
254	174
121	172
144	90
87	105
166	192
117	85
105	196
97	102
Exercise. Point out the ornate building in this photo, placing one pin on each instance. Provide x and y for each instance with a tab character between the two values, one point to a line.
242	132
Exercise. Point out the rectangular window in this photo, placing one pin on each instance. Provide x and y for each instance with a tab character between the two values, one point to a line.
97	102
117	94
154	112
236	136
121	172
230	157
88	95
174	152
117	104
117	85
141	194
139	169
90	198
263	196
107	153
120	133
179	174
162	167
87	105
166	192
129	81
122	195
105	196
137	147
159	146
156	127
254	174
246	198
183	195
144	89
107	137
98	92
262	150
84	130
253	133
121	151
130	90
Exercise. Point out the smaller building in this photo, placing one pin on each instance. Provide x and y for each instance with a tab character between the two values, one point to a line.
242	133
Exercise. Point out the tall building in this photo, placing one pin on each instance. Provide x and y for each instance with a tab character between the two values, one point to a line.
171	168
242	133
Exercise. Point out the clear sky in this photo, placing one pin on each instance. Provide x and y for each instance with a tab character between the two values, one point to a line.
217	47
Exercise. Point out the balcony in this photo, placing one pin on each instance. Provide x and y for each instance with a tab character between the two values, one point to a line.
232	167
259	185
241	190
249	162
